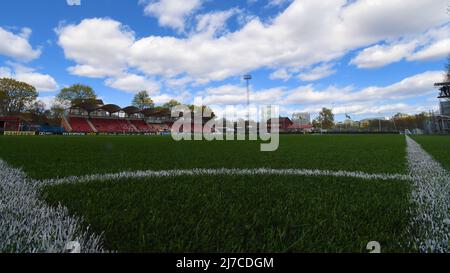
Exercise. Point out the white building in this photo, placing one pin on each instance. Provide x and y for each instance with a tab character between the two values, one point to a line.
301	118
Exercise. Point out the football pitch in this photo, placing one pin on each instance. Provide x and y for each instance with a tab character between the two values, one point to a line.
324	193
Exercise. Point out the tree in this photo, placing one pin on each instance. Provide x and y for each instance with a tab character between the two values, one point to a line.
171	104
75	92
325	120
38	108
142	100
57	111
202	110
39	113
15	96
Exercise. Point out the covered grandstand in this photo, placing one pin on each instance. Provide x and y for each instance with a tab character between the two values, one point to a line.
11	123
93	116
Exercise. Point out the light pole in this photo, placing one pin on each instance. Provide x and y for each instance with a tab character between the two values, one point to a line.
379	122
395	125
247	78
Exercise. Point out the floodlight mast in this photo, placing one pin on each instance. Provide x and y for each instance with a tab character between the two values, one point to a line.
247	78
379	122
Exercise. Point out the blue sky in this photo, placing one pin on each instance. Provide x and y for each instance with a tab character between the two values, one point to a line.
365	58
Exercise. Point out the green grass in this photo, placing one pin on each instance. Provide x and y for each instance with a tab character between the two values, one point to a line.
241	213
437	146
56	156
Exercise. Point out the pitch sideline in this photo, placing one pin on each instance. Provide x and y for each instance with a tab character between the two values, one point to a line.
431	194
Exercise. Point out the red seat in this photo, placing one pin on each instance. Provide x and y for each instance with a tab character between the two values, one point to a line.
112	125
106	125
80	125
142	126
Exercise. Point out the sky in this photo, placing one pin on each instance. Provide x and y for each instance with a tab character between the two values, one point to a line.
366	58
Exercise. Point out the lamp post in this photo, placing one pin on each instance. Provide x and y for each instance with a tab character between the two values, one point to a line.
379	122
247	78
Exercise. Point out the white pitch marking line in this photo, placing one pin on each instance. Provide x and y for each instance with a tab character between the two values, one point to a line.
29	225
431	194
23	191
223	171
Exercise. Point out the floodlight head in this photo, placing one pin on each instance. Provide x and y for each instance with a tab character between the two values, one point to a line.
247	77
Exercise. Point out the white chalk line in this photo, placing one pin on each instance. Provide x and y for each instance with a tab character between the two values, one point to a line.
30	225
223	172
415	156
431	194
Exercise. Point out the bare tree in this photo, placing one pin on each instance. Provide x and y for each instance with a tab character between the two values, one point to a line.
447	73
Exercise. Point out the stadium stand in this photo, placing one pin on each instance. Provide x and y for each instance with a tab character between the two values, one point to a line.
142	126
10	123
94	116
161	127
112	125
80	125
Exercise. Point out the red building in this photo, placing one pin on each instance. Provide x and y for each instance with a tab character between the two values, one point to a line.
11	123
286	125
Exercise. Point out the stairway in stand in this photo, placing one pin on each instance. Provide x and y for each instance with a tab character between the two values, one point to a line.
92	126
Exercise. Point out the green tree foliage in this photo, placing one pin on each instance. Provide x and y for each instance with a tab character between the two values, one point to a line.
15	97
399	122
38	108
325	120
142	100
170	104
204	110
403	122
57	111
74	93
39	113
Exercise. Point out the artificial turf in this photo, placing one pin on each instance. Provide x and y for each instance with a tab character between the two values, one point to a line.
60	156
437	146
242	213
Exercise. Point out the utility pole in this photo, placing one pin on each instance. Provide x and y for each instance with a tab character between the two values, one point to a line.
379	125
395	125
247	78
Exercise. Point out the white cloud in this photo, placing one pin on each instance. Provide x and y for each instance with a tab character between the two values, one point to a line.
387	19
163	98
48	101
365	101
17	45
232	94
439	49
433	44
99	46
42	82
317	73
5	72
133	84
381	55
373	109
179	82
171	13
280	74
273	3
306	34
93	71
214	23
414	86
74	2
